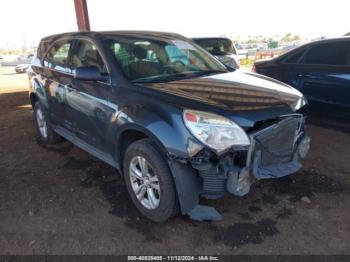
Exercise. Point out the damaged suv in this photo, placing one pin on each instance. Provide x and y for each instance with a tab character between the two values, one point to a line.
171	118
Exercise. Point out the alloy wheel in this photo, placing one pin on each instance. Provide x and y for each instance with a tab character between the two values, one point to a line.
144	182
40	119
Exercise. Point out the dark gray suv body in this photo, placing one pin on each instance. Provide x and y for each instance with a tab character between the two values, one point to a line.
176	131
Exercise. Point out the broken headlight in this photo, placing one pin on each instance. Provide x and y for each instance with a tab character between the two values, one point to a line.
215	131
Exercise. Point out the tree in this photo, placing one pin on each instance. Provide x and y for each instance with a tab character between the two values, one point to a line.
272	44
290	38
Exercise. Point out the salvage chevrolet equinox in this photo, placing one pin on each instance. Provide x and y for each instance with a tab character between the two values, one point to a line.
173	120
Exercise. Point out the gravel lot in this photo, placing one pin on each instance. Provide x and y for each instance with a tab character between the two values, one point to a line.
60	200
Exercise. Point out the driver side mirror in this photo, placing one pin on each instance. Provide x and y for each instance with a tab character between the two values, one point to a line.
90	73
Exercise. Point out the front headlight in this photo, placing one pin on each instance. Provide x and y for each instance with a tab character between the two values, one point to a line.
215	131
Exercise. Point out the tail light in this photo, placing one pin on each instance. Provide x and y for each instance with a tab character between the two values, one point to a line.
254	69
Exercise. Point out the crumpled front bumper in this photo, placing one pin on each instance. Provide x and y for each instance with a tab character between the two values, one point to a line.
275	151
239	183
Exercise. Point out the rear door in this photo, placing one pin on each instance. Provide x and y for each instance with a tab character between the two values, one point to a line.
87	101
324	74
56	77
290	68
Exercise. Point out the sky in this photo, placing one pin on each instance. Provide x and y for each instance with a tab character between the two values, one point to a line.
26	22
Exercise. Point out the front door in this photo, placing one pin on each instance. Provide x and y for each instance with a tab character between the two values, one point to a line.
87	101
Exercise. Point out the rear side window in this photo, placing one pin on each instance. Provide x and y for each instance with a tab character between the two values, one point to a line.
294	58
58	55
328	54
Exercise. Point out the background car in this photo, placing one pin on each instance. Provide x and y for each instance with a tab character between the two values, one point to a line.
320	70
222	48
242	51
21	68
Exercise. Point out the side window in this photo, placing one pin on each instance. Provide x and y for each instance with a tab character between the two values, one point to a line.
328	54
294	58
123	55
86	54
57	57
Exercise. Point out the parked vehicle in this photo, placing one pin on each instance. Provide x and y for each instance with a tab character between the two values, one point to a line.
21	68
320	70
175	132
243	52
220	47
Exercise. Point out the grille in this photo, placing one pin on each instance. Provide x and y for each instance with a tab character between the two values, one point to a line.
275	144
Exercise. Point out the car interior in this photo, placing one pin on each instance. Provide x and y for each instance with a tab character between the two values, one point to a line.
88	55
142	66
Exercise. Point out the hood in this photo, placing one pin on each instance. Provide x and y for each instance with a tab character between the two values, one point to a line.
252	97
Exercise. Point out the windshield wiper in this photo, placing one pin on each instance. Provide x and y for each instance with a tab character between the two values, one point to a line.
162	78
209	72
173	77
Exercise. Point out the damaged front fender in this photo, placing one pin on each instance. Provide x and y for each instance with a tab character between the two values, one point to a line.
188	185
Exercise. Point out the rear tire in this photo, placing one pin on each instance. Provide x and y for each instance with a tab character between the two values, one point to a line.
157	197
45	131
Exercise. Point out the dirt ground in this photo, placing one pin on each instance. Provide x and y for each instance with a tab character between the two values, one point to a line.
60	200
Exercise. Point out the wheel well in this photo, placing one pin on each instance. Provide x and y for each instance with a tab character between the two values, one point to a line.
130	136
127	138
33	98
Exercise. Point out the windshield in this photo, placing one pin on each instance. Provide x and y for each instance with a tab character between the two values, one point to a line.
217	46
164	59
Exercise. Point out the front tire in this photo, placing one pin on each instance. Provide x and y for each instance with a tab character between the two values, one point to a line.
149	181
45	131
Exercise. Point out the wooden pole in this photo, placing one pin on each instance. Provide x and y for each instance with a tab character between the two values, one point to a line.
81	12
